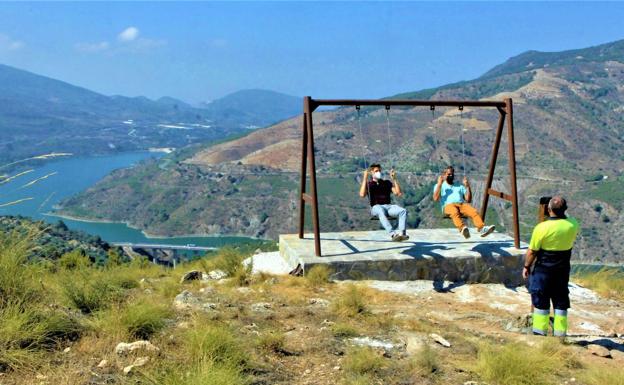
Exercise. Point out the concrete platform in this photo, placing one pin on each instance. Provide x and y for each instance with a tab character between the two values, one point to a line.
433	254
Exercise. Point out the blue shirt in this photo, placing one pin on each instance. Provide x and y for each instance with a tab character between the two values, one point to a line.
450	193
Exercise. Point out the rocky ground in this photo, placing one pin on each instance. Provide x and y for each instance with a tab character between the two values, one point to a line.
305	330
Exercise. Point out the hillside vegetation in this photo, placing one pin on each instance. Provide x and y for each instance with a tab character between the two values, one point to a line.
63	323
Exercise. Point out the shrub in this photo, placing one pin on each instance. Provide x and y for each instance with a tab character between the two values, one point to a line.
73	260
143	319
318	275
351	303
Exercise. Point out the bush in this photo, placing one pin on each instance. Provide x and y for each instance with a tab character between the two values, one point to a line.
143	319
318	275
74	260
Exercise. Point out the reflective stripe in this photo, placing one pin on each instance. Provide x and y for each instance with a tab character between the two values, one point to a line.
540	321
560	326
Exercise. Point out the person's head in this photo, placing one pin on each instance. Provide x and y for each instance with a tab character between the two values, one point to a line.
557	207
375	170
449	174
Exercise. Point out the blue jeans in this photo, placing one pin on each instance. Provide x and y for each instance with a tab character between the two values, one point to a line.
384	211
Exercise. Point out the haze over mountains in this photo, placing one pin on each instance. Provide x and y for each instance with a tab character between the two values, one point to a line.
40	115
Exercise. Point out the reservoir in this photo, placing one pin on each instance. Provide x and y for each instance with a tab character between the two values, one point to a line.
59	179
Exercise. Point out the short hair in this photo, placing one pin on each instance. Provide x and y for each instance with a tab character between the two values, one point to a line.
558	205
372	166
449	167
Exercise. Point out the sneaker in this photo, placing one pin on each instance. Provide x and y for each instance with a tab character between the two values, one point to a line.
465	232
396	237
487	230
405	237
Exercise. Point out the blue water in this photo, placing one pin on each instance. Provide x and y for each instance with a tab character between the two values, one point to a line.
75	174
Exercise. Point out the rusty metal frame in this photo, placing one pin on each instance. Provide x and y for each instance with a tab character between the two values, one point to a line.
308	163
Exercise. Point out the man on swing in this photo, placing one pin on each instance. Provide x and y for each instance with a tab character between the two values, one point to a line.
455	201
379	191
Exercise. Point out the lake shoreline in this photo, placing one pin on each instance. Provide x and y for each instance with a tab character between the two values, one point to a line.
147	234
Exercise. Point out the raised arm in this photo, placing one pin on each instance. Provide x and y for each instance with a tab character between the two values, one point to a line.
436	192
468	197
364	184
396	187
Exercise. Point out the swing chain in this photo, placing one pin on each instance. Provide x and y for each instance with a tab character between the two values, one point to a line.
388	131
461	136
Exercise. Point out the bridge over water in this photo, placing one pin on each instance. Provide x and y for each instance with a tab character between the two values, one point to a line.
164	254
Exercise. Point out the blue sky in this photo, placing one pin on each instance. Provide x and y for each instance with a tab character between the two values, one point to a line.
201	51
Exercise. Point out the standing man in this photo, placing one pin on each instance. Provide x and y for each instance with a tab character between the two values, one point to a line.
455	201
549	254
379	191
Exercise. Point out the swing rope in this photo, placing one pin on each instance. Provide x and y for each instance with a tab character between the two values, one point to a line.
388	131
359	119
461	136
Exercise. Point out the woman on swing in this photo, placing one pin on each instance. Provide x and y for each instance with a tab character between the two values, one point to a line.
379	191
455	198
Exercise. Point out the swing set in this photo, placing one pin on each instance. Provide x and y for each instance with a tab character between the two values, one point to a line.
504	108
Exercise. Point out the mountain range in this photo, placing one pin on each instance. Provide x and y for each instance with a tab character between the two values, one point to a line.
569	126
41	115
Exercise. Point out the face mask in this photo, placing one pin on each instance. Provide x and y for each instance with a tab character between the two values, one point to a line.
377	175
450	178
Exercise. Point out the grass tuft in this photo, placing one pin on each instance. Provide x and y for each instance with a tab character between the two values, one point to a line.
143	319
517	364
271	342
318	275
363	361
351	303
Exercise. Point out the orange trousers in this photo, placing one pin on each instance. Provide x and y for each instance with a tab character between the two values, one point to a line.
457	210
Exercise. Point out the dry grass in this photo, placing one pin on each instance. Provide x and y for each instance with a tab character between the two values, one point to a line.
517	364
609	282
236	345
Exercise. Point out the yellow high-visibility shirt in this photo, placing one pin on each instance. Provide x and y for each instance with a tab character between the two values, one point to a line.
554	235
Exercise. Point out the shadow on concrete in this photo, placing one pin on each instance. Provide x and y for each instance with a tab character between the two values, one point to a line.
421	250
487	249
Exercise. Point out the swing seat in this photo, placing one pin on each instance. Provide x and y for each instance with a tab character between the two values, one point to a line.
375	218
